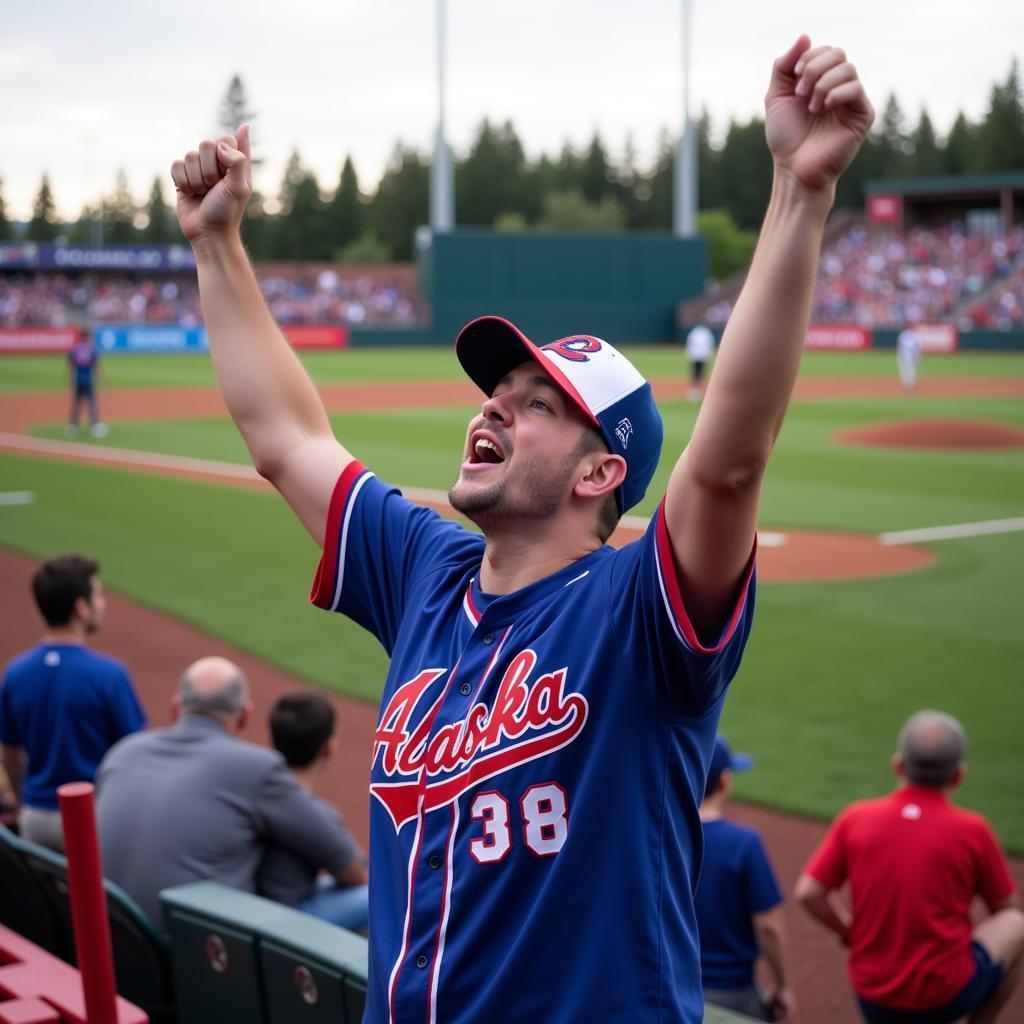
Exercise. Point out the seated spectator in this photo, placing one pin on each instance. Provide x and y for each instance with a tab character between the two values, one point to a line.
302	730
914	862
738	905
62	706
194	801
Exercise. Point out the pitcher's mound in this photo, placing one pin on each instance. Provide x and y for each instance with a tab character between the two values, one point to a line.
944	433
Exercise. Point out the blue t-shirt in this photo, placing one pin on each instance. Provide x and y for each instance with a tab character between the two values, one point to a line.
532	853
736	882
66	706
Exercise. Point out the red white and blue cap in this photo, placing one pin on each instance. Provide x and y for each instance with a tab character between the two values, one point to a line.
607	388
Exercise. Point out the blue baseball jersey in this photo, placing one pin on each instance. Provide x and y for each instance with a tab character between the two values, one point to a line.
538	763
736	882
83	357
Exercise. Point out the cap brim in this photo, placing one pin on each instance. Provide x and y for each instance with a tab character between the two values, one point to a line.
742	762
491	346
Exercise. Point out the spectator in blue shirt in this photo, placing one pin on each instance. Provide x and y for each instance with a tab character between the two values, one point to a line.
62	706
738	905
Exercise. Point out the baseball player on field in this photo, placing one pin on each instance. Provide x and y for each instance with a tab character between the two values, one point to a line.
552	702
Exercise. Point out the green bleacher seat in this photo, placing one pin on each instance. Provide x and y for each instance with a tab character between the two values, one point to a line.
26	905
261	961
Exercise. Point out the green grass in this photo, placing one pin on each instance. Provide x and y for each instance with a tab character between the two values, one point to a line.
832	668
49	372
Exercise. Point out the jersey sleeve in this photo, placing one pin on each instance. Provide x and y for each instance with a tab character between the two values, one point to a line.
682	677
828	862
124	712
763	890
377	546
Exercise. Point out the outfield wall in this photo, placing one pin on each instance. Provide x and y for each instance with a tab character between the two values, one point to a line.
618	286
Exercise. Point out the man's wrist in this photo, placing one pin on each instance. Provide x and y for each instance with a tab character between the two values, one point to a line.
789	194
215	247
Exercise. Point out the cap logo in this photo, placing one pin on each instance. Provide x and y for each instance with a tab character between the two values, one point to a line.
624	431
574	349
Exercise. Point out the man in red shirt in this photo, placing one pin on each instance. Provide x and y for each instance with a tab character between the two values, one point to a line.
914	862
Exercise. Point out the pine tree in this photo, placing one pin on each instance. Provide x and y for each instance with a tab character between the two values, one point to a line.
118	211
926	157
160	229
5	224
301	232
1000	136
346	212
959	154
402	201
43	226
891	136
236	110
595	183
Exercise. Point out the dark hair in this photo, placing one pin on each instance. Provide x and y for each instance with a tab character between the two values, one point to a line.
711	786
300	725
59	583
608	515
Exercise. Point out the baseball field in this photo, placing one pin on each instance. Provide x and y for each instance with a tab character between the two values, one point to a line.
853	632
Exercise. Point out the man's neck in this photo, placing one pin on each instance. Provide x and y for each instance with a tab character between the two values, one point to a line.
513	560
712	809
306	777
74	633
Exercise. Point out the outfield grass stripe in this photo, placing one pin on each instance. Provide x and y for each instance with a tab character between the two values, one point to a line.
952	532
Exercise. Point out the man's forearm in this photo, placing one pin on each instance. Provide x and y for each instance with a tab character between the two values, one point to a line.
771	942
13	760
831	914
760	353
267	390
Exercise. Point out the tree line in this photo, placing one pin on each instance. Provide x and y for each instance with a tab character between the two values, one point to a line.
591	189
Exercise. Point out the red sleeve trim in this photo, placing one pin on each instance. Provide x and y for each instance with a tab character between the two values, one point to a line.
674	599
322	592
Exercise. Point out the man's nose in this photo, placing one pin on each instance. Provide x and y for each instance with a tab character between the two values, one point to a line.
497	409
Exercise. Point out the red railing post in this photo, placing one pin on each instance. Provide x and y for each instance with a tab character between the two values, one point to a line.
88	903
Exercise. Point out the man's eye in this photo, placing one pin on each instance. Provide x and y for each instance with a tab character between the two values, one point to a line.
540	404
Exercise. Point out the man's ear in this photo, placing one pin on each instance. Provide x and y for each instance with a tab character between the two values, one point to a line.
897	766
243	716
175	707
330	748
603	475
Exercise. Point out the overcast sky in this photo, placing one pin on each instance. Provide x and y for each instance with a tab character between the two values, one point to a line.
90	86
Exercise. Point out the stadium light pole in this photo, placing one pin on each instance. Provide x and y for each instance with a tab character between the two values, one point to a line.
684	207
442	192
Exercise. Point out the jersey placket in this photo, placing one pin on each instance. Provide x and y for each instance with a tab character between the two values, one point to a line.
418	972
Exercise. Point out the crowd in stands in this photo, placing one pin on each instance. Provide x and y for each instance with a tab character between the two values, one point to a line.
324	296
883	279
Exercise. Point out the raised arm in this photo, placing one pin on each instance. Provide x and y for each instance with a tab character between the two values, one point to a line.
816	116
268	392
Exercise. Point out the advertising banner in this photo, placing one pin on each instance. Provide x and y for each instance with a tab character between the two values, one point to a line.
150	338
844	337
316	335
36	339
168	259
885	209
937	338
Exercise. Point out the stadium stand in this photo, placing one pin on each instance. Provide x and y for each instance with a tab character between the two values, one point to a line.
297	294
886	279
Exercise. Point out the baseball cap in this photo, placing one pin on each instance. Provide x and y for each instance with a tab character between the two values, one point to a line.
598	379
723	757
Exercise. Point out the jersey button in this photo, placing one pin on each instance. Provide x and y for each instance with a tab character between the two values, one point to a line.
489	638
435	861
421	961
464	689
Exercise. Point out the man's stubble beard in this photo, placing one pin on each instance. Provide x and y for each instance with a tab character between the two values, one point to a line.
498	502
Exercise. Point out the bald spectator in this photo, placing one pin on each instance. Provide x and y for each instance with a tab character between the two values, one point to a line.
914	862
194	801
